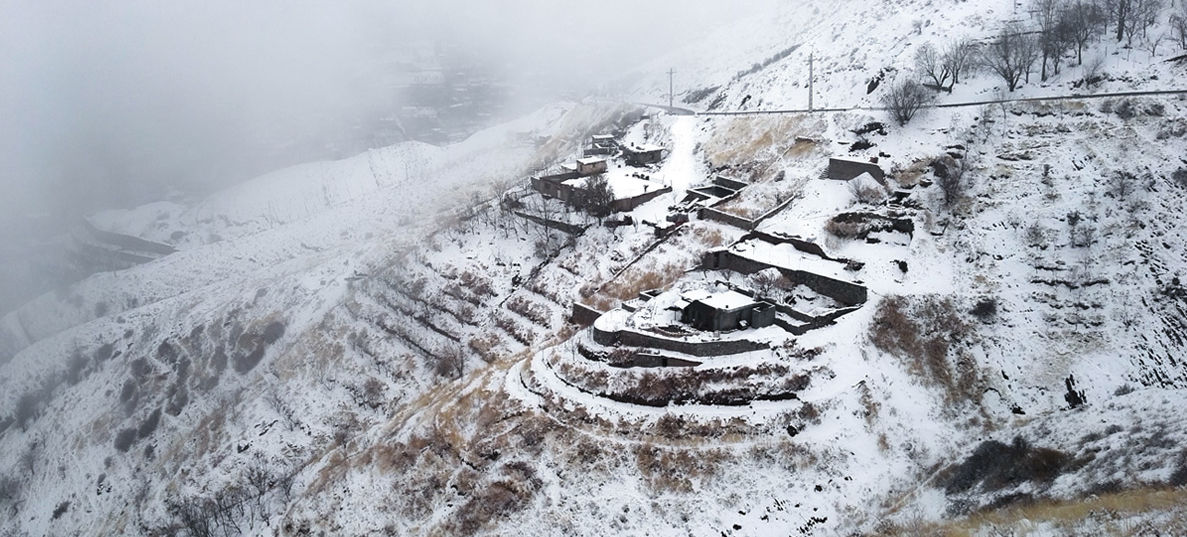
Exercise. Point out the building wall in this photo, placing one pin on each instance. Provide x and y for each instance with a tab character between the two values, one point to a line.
584	315
629	204
709	213
639	158
845	169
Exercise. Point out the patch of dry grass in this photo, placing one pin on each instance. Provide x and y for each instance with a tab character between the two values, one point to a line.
922	330
745	141
1123	514
638	279
913	173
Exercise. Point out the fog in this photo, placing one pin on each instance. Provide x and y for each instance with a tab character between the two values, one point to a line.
115	104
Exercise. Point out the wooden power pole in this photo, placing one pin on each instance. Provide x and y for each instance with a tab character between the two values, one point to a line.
811	79
671	73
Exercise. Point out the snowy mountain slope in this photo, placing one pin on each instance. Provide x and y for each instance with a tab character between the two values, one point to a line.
762	62
339	364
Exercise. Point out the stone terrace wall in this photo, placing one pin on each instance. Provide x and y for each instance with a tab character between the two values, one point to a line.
692	348
844	292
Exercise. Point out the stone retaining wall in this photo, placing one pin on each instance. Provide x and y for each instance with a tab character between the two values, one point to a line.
844	292
691	348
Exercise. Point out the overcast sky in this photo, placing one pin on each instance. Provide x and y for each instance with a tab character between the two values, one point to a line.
99	97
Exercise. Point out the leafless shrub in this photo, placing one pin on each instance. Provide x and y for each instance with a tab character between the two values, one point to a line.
1093	71
868	192
534	312
847	229
1180	177
373	392
985	309
904	99
766	282
994	465
484	345
480	285
451	362
496	500
513	329
1036	235
197	516
1123	185
953	181
1081	232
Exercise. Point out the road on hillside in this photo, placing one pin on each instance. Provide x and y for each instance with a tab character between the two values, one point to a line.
1070	97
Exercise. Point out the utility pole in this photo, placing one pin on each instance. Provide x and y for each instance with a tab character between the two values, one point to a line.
671	73
811	79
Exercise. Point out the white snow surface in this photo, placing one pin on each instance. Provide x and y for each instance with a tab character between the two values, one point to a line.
376	334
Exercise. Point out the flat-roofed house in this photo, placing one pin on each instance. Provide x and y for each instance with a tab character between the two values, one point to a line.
591	166
728	310
642	155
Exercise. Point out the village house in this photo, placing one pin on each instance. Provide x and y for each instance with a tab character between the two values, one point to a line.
591	166
728	310
601	144
642	155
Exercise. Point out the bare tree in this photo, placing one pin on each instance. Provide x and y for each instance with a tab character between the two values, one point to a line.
1140	15
959	58
1119	13
904	99
1151	44
1080	20
1029	48
1046	13
1179	26
929	62
1011	55
196	515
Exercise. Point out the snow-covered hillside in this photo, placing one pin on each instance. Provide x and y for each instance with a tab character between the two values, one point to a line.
387	345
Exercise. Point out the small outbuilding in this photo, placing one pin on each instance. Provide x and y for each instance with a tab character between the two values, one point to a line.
591	166
843	169
642	155
601	144
728	310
